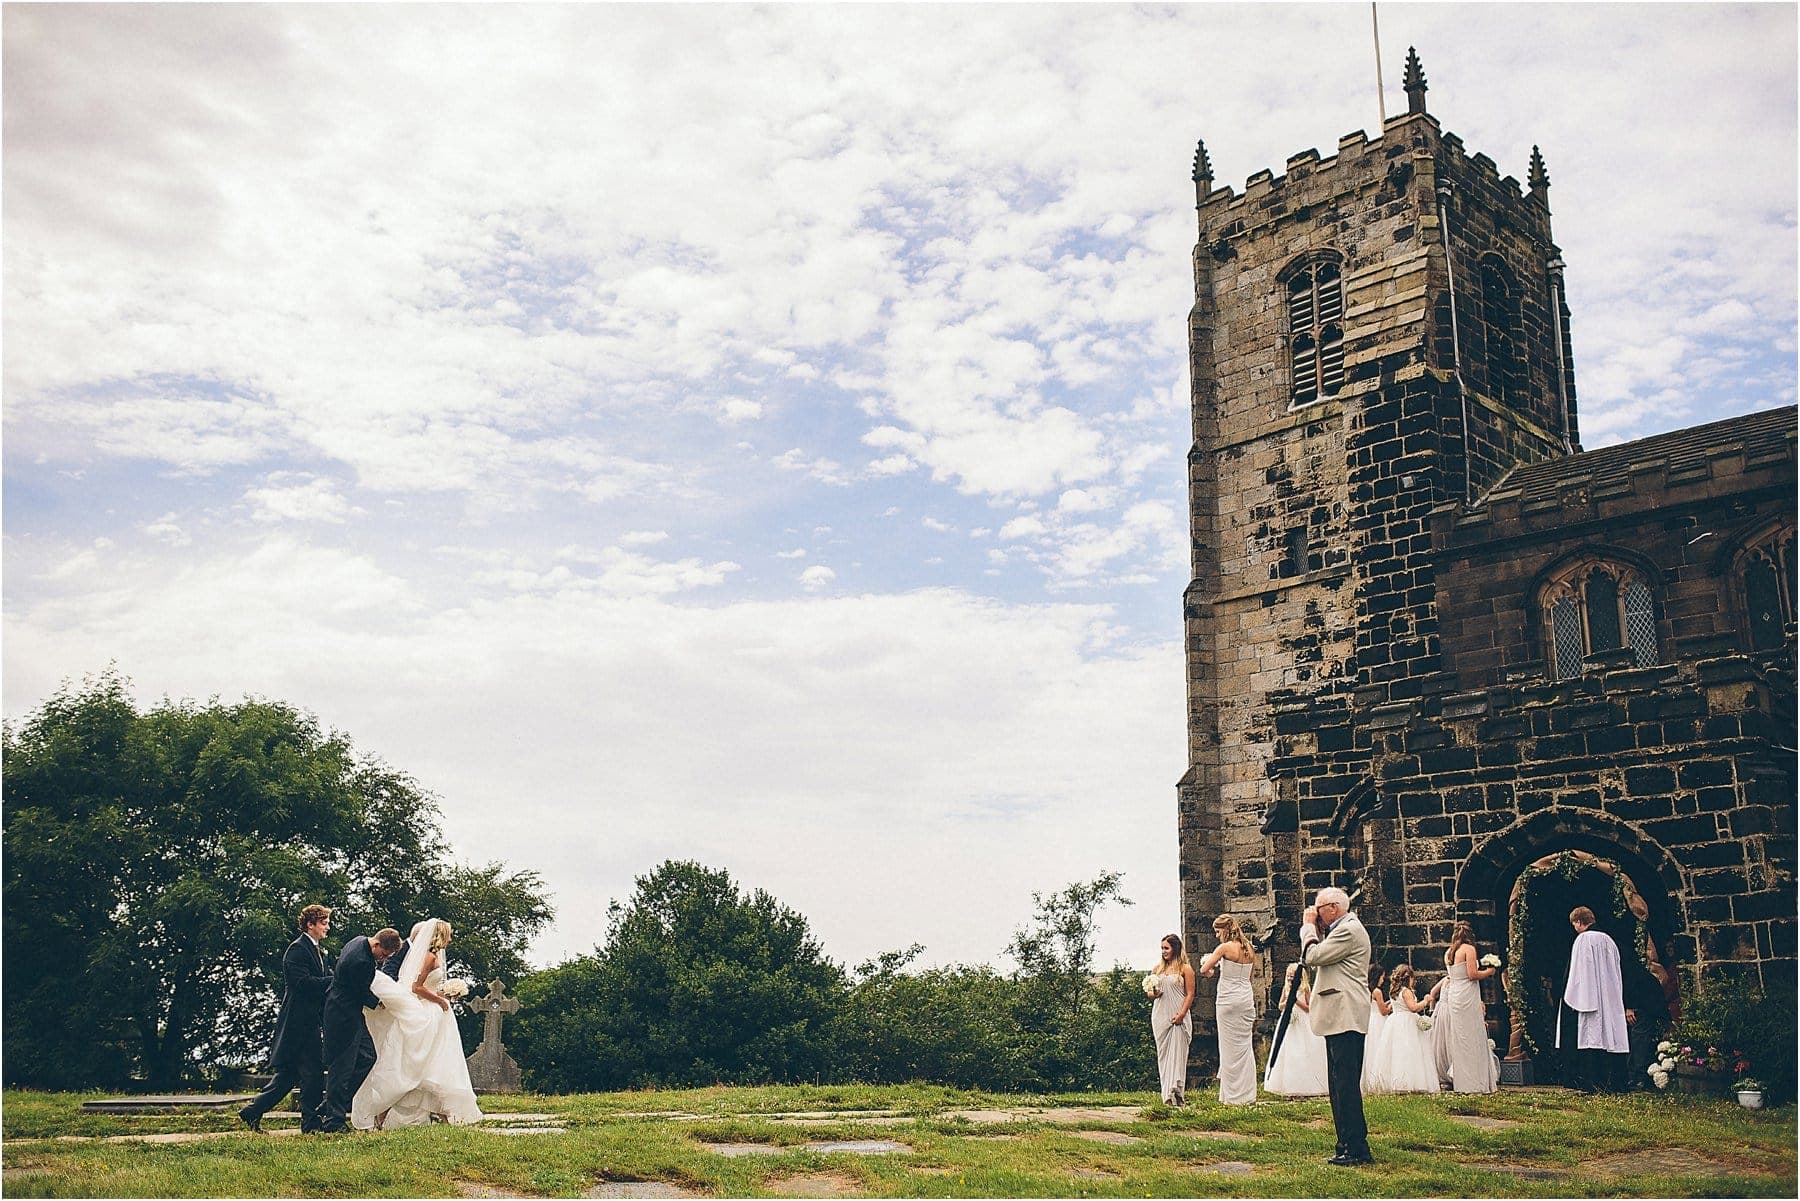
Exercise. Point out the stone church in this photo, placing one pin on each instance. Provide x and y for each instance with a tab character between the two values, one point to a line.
1434	647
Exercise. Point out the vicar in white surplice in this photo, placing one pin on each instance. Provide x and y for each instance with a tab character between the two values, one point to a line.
1593	1005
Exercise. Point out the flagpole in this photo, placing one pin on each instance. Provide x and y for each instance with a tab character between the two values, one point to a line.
1380	92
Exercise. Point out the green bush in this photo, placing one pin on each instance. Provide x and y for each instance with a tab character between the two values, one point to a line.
1753	1026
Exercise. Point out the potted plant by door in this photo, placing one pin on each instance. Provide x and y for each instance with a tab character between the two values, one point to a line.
1749	1092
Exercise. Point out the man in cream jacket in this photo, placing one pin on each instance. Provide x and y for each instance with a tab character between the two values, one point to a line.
1335	947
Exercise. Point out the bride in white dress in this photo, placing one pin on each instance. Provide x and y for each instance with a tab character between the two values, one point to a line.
419	1072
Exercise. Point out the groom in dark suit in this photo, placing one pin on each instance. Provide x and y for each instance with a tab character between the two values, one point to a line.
295	1057
349	1051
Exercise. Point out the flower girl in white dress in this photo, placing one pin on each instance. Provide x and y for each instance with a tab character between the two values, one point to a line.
1379	1009
1401	1060
1299	1070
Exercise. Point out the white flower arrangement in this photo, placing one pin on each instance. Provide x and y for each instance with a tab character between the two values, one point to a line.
1424	1021
1664	1067
1490	960
1152	984
456	990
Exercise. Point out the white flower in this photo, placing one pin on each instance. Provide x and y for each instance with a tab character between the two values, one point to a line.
456	990
1152	984
1490	960
1424	1021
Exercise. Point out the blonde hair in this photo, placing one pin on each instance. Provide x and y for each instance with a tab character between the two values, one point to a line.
440	937
1459	934
1180	959
1229	929
1400	976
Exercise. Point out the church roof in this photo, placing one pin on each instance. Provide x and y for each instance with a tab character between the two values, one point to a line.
1759	437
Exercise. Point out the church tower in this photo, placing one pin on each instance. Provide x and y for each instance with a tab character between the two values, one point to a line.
1375	335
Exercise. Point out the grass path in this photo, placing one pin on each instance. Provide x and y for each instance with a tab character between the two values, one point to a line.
940	1143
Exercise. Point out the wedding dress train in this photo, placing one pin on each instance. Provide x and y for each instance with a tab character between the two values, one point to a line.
419	1067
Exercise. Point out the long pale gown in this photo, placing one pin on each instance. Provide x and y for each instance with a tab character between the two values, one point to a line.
1172	1040
1465	1040
1300	1069
1234	1010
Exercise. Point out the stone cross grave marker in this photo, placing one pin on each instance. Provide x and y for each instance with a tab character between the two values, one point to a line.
491	1069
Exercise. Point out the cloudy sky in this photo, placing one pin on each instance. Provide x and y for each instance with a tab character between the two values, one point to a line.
753	434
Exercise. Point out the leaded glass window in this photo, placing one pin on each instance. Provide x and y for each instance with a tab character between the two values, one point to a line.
1768	582
1599	606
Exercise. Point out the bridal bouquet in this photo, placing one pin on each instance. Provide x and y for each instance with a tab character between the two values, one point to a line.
1490	960
1424	1020
1152	984
456	990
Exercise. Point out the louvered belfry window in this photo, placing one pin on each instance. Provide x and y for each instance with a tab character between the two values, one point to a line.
1599	607
1315	298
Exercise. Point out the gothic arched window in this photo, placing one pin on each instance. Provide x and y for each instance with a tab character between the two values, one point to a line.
1500	322
1766	575
1315	318
1598	606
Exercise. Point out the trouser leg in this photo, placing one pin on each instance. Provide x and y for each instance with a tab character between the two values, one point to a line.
1343	1071
272	1094
312	1094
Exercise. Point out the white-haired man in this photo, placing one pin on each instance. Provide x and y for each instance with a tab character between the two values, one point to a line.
1334	945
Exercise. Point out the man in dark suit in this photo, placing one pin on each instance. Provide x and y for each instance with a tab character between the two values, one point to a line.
296	1056
349	1051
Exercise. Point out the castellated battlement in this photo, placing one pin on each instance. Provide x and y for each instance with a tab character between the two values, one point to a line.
1310	179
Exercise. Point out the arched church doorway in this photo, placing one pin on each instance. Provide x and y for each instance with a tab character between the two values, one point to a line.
1539	939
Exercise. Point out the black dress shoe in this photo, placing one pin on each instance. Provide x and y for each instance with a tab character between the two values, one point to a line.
250	1119
1346	1160
334	1127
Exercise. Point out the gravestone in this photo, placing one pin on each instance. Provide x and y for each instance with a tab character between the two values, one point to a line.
491	1069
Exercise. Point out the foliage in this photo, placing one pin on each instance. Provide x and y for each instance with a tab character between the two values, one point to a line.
1747	1027
155	861
698	983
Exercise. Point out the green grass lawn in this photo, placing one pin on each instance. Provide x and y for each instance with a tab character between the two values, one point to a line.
1560	1144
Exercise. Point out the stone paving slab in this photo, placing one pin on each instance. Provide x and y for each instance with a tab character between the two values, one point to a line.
816	1184
734	1150
517	1130
1660	1161
639	1188
1481	1123
169	1101
501	1119
472	1188
1231	1167
1060	1116
1107	1136
868	1146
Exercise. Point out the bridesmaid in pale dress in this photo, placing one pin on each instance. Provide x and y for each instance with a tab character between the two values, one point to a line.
1465	1050
1170	1019
1234	1010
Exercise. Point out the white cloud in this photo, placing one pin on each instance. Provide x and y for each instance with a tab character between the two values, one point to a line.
816	577
936	526
167	529
1023	527
799	552
735	409
891	465
644	538
286	496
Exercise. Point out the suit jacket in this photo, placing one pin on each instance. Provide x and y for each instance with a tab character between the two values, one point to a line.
1340	963
349	994
391	965
302	1013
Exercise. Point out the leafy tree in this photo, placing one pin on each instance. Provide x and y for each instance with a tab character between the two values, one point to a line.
698	983
1056	999
154	863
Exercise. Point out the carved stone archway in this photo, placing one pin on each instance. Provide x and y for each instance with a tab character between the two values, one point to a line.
1629	914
